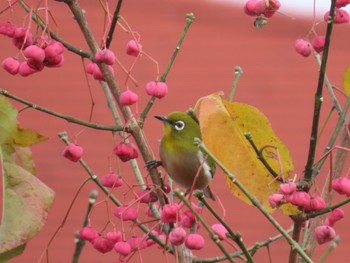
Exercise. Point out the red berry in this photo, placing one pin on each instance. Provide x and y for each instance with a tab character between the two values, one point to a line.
220	231
22	38
102	244
133	48
97	74
324	234
11	65
128	98
105	56
318	43
177	236
90	68
125	213
111	180
156	89
123	248
73	152
188	212
88	233
126	151
303	47
194	242
170	213
187	221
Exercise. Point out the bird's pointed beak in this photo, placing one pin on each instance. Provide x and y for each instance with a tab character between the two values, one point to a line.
162	118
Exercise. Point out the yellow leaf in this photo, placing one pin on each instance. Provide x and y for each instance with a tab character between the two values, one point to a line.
223	125
346	81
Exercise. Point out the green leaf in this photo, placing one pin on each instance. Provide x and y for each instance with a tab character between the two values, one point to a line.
26	204
223	125
346	81
26	199
10	132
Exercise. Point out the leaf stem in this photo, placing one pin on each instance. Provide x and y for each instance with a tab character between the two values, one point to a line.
238	74
113	23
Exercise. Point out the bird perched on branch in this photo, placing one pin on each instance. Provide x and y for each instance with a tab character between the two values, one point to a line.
181	158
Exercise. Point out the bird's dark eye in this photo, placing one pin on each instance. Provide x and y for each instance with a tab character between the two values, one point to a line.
179	125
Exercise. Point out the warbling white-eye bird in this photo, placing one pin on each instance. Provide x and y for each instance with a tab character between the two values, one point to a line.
180	157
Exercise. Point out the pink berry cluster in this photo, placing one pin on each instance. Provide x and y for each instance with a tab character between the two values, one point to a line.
305	47
325	233
287	193
102	56
259	8
37	53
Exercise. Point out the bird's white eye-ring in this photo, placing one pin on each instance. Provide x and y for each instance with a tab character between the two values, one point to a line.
179	125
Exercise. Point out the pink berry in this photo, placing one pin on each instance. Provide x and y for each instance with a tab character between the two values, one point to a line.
125	213
341	16
177	236
170	213
342	3
342	186
22	38
287	188
194	242
54	62
25	70
301	199
146	196
123	248
102	244
317	203
126	151
7	29
35	53
220	231
133	48
88	233
90	68
11	65
156	89
274	5
188	212
255	7
97	74
318	43
187	221
128	98
114	236
137	242
334	216
105	56
324	234
111	180
276	200
303	47
54	49
73	152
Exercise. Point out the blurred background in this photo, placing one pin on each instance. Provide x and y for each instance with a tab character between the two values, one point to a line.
276	80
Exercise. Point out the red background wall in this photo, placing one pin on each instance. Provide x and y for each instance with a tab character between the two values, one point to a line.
276	80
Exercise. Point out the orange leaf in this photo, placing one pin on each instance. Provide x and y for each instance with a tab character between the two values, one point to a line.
223	125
